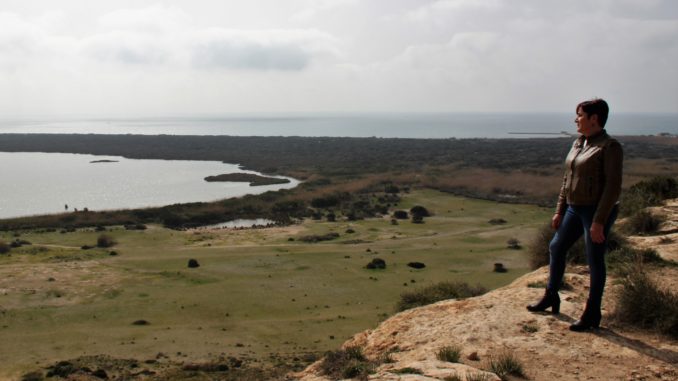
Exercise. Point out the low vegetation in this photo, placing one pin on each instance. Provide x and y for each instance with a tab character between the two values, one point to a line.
651	192
642	222
4	247
505	364
450	353
438	292
644	304
346	363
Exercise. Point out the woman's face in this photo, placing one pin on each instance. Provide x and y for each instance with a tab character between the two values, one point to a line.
586	125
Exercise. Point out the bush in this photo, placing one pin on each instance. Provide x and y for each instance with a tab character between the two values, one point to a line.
449	353
390	188
513	244
629	255
497	221
642	304
438	292
4	247
317	238
325	202
642	222
538	249
505	364
400	215
376	264
345	363
420	211
193	263
648	193
417	219
105	241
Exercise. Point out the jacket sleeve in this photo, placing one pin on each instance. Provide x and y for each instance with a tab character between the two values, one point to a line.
613	158
562	200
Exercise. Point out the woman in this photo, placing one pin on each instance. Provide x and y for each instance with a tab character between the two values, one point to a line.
587	205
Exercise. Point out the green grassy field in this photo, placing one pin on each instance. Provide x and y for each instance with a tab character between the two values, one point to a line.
256	292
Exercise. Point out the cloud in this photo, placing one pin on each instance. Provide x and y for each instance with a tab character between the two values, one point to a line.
260	50
159	35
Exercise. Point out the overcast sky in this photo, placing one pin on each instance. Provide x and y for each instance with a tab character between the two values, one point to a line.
153	58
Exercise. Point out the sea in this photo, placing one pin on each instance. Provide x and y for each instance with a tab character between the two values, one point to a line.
384	125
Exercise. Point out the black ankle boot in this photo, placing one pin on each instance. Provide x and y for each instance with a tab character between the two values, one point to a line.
550	299
590	319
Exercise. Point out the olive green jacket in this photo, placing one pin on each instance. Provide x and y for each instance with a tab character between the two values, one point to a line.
593	175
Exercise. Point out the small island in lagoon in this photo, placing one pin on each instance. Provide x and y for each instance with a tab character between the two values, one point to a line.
103	161
254	180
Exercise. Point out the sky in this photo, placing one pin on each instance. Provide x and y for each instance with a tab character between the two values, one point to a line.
200	57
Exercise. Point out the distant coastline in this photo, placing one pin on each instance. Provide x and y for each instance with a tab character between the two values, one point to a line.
440	125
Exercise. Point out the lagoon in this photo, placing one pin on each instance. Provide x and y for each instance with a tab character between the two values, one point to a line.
44	183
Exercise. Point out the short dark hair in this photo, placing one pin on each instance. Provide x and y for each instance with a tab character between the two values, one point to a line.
595	106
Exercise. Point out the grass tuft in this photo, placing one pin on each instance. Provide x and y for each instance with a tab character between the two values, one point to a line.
505	364
450	353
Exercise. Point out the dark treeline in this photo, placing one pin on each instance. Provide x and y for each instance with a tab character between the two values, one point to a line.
321	155
325	155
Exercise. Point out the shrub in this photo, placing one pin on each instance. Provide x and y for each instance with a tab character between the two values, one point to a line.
642	222
513	244
438	292
643	304
400	215
390	188
193	263
627	255
417	219
317	238
496	221
538	249
505	364
325	202
4	247
105	241
648	193
449	353
420	211
376	264
478	376
345	363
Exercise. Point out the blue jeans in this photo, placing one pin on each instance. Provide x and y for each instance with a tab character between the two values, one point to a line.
577	221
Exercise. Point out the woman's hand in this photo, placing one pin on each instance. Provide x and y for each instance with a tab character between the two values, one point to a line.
556	220
597	234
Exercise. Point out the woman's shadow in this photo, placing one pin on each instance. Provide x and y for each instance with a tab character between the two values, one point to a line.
665	355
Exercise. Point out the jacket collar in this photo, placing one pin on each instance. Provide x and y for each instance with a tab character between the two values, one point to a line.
593	139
